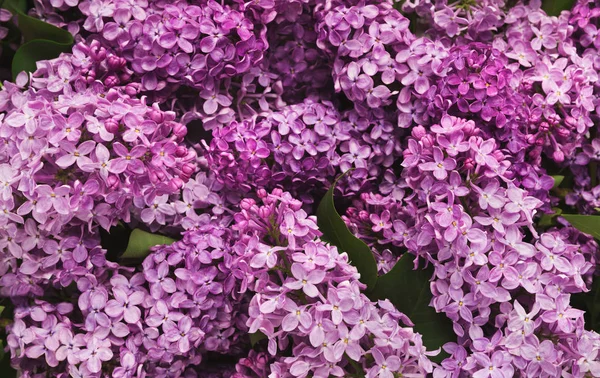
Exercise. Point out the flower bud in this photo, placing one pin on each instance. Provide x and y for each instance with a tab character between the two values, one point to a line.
188	169
558	156
247	204
111	125
156	116
264	213
124	76
469	128
90	77
114	62
181	151
179	130
132	89
563	132
177	183
427	141
112	182
111	81
469	163
419	132
261	193
153	177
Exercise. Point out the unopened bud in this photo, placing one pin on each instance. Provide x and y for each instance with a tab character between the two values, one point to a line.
111	125
558	156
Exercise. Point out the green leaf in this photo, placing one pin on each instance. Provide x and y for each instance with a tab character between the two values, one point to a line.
15	6
115	240
33	28
31	52
593	305
409	291
140	243
547	220
43	41
256	337
555	7
590	303
557	181
589	224
5	368
336	232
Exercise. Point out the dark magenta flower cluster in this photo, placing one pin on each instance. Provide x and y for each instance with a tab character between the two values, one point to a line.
461	132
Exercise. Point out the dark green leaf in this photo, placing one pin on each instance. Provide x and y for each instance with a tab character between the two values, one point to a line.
40	49
336	232
140	243
5	369
555	7
594	305
589	224
15	6
410	292
33	28
256	337
547	220
590	303
115	241
42	40
557	181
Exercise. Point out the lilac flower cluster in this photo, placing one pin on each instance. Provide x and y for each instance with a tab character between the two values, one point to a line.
462	129
303	145
307	297
473	224
75	158
222	61
182	304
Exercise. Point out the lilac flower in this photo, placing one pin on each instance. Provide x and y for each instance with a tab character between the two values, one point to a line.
385	367
297	315
267	256
589	361
544	37
158	210
305	280
562	314
558	93
489	196
95	352
542	356
183	333
159	280
440	165
496	367
523	320
53	198
125	305
76	154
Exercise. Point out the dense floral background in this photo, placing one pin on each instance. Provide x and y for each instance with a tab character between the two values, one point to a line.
299	188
